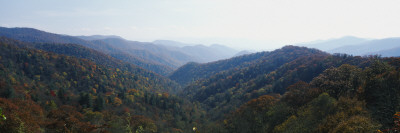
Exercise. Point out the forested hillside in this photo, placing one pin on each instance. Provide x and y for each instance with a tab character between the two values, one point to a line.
341	99
285	92
43	91
37	36
199	66
148	51
53	83
194	71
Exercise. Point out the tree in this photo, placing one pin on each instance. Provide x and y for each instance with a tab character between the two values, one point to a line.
99	103
251	116
310	116
300	93
20	116
381	92
67	119
117	101
342	81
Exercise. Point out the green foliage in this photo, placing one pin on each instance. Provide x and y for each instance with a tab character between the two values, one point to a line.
299	94
293	89
80	86
350	116
341	81
271	73
2	116
310	116
73	46
251	117
381	92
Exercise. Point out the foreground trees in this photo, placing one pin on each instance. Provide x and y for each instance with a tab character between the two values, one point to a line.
342	99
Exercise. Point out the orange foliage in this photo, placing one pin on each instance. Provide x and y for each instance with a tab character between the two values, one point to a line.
177	130
109	93
260	103
165	95
67	119
132	91
300	93
21	112
117	101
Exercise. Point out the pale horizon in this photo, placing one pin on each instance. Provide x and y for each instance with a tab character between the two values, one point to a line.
253	25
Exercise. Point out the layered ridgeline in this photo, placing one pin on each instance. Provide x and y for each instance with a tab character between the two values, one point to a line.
280	91
151	52
171	55
156	56
385	47
194	71
50	92
57	83
37	36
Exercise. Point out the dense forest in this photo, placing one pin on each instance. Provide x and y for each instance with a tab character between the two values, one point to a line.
71	87
44	91
36	36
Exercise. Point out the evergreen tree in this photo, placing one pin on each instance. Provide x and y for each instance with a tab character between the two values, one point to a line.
99	103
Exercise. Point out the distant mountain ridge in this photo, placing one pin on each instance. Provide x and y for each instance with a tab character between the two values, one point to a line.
243	52
201	52
171	43
155	56
38	36
369	47
357	46
173	53
151	52
330	44
98	37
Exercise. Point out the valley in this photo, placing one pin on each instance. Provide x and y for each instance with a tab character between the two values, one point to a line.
59	83
199	66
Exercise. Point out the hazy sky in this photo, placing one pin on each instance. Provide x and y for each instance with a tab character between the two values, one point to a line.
250	24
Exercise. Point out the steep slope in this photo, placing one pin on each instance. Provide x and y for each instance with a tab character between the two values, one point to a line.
340	99
303	90
228	89
37	36
90	55
151	52
171	55
64	93
195	71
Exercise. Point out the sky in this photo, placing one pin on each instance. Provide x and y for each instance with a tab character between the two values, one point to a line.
241	24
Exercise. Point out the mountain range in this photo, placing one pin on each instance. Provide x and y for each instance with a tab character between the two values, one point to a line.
358	46
58	83
159	58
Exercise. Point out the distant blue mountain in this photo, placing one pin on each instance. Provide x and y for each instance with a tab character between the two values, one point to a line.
243	52
394	52
327	45
98	37
171	43
378	46
358	46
